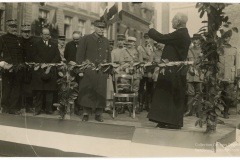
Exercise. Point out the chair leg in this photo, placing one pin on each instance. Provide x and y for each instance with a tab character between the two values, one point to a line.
134	106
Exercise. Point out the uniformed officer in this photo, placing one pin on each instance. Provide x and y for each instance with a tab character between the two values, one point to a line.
61	46
27	41
194	82
11	52
118	52
92	87
147	51
132	55
156	58
227	72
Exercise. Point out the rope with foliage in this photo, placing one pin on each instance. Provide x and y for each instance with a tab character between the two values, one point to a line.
67	85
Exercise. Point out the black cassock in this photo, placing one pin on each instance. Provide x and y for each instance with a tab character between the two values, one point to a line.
169	94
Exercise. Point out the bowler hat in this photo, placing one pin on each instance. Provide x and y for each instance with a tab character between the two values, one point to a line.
25	27
99	23
11	22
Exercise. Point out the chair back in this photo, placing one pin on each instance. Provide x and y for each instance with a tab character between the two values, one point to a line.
123	83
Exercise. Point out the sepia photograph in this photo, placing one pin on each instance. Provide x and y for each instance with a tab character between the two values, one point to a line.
119	79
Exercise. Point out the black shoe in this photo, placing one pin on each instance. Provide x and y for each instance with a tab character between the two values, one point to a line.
85	118
225	115
161	126
173	127
109	111
98	118
49	112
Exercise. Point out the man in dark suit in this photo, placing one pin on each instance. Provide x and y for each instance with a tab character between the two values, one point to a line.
71	47
11	52
93	86
44	85
168	98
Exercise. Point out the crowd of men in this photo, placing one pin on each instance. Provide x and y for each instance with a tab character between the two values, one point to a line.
36	91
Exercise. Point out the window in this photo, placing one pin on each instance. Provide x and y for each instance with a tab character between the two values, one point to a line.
43	14
81	26
68	26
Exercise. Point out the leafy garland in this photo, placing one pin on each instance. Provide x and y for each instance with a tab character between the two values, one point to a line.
211	101
67	85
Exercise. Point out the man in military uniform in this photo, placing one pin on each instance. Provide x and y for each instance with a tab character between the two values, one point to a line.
92	88
147	51
118	52
156	58
27	42
44	84
11	52
61	46
71	47
227	71
130	56
194	82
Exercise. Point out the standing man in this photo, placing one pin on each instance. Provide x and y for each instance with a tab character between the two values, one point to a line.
169	94
156	58
194	82
146	51
92	95
228	61
11	52
44	84
71	47
61	46
70	55
118	52
27	42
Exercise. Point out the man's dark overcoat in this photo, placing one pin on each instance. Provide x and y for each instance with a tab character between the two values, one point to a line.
27	57
93	86
43	53
70	51
11	51
169	94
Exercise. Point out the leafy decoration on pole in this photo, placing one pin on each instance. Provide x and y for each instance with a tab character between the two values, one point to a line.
210	101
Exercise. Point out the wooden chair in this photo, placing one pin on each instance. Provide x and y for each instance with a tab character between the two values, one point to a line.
124	94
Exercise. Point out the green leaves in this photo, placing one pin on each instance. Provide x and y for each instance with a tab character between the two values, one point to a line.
235	29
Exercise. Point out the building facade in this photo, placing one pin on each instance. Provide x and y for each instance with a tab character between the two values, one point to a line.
66	17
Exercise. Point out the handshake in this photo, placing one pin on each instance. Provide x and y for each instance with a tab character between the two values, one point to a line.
5	65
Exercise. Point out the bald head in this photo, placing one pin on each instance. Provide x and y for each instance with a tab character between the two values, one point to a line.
179	20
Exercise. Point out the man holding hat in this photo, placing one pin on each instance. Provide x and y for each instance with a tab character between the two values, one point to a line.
228	66
11	52
44	84
194	80
93	86
147	51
